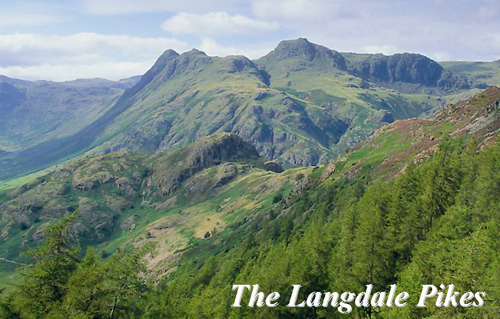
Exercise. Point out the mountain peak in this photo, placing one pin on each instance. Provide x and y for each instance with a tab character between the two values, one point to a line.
236	63
299	48
169	53
166	56
194	52
302	49
159	65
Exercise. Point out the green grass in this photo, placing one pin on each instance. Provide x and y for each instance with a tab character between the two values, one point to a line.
479	72
20	181
8	279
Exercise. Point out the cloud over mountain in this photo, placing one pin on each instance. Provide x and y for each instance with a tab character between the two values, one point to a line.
216	23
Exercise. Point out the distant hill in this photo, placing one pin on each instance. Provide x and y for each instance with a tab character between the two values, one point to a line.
482	74
36	111
120	84
302	104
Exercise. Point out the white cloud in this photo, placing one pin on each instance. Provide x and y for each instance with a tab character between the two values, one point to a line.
216	24
115	7
9	19
440	29
296	10
112	70
211	47
86	43
54	57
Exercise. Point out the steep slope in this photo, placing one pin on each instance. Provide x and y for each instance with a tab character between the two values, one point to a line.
322	77
389	150
196	95
123	199
435	222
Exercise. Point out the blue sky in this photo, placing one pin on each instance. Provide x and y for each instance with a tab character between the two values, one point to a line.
64	40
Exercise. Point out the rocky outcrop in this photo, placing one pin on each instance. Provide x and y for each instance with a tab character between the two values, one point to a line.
304	53
406	67
273	167
171	170
406	72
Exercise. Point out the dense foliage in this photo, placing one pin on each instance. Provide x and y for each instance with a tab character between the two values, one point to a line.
436	223
60	284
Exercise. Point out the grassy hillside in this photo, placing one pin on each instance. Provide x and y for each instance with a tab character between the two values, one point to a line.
389	150
482	73
175	199
415	203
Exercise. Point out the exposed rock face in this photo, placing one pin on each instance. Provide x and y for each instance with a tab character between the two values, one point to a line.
450	82
406	68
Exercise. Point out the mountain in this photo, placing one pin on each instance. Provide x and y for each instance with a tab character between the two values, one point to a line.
210	184
36	111
414	197
406	73
196	95
300	54
301	105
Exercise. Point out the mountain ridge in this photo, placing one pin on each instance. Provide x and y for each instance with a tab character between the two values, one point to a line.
300	105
